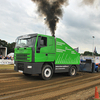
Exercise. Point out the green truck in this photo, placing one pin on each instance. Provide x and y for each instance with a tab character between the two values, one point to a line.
44	55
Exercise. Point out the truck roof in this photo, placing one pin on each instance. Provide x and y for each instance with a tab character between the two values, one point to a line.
31	35
45	35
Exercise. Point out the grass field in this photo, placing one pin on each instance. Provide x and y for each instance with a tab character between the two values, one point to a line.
6	67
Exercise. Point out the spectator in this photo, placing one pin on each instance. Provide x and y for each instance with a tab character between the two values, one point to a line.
12	58
0	56
7	57
3	57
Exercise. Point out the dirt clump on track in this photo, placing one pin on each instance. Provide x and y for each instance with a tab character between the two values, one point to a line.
14	85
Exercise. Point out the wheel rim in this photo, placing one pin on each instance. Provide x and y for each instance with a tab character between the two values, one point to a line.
73	71
47	72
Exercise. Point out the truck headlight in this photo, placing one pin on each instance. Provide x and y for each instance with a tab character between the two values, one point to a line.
29	66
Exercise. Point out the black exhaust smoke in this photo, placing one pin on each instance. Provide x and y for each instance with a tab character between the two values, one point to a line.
88	2
52	10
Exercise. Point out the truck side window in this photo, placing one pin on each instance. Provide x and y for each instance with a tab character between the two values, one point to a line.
44	40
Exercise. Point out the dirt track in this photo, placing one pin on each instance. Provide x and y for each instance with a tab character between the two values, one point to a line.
14	85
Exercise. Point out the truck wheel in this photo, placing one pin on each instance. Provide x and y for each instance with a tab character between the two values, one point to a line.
47	72
72	71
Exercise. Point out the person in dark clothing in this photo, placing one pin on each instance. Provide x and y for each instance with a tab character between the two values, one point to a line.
0	56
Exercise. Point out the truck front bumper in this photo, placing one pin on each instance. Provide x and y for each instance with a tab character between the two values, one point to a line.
28	68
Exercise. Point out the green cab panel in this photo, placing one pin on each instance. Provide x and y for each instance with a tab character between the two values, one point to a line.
23	54
65	54
47	53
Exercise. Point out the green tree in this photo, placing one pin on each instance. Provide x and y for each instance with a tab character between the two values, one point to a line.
88	53
3	43
10	46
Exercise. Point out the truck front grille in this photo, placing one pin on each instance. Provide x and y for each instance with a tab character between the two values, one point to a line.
22	57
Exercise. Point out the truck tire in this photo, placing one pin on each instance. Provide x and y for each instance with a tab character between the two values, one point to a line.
72	71
47	72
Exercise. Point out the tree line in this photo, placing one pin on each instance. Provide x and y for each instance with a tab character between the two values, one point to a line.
10	46
88	53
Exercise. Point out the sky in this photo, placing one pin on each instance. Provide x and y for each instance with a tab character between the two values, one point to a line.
80	22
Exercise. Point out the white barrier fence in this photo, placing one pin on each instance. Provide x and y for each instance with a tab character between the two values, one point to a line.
6	62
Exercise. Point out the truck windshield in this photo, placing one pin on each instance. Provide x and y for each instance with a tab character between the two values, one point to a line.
25	42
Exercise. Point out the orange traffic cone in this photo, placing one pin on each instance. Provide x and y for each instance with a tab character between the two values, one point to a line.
96	94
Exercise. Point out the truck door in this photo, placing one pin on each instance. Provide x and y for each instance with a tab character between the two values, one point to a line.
41	49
